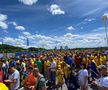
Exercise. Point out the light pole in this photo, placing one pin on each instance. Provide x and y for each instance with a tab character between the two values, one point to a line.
105	24
27	41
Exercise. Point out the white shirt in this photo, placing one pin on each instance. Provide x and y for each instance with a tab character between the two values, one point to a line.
16	76
103	82
53	66
82	74
24	66
4	65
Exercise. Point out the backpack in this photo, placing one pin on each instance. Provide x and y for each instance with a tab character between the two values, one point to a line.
37	87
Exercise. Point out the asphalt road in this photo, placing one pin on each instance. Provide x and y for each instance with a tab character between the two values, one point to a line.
65	88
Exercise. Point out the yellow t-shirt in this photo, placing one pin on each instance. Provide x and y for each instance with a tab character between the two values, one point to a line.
59	76
96	61
66	71
60	63
101	60
3	87
47	64
104	59
32	61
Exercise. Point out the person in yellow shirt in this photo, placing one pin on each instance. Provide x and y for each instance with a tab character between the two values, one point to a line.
93	68
96	60
101	60
60	62
60	75
66	72
85	61
104	59
32	61
47	65
3	87
98	57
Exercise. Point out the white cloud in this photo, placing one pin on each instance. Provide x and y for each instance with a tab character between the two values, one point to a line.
8	40
70	28
21	37
80	8
3	25
42	37
19	41
21	28
105	14
93	39
26	34
90	19
85	21
69	35
28	2
13	23
17	27
56	10
99	29
3	17
69	39
13	41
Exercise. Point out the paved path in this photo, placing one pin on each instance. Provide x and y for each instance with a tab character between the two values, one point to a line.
64	88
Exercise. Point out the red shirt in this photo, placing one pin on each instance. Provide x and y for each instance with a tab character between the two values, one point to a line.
1	76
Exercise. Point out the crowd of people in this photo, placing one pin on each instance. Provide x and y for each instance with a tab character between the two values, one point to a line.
51	69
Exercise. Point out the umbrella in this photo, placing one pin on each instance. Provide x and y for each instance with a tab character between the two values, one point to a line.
3	87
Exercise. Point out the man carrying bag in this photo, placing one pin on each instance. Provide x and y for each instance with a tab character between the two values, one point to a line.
102	82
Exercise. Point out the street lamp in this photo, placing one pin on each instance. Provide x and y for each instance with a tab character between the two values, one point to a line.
27	40
104	18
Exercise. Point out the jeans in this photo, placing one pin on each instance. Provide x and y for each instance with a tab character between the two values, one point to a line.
53	77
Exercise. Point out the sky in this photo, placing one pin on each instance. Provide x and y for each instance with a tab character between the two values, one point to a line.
50	23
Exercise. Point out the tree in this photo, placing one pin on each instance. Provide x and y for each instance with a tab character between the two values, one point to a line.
66	48
55	48
61	47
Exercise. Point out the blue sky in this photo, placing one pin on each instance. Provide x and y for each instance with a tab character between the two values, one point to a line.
50	23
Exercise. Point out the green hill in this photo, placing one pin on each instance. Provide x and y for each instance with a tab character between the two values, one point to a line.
11	49
8	48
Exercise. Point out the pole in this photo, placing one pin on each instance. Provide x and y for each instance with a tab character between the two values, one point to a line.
105	23
106	33
105	19
27	42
